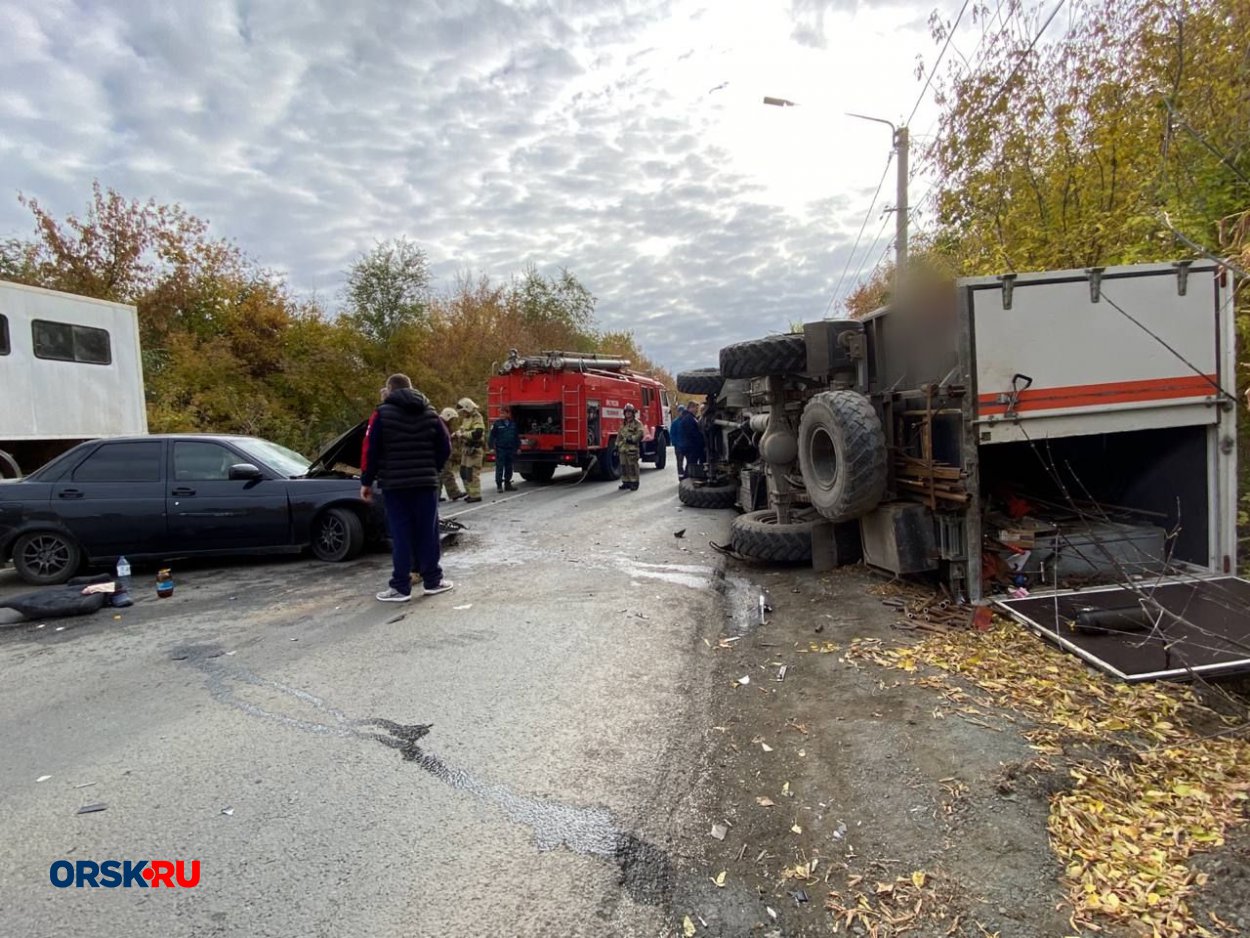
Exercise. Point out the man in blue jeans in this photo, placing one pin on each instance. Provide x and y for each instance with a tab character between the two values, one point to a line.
406	447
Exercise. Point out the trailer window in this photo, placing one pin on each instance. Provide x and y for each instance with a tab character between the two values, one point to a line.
67	342
4	335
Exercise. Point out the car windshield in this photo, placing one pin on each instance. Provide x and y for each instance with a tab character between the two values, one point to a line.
286	461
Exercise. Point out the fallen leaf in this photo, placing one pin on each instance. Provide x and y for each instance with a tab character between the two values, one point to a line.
764	802
796	829
720	880
687	927
918	878
766	747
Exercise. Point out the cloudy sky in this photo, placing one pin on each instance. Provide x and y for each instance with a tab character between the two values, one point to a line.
578	133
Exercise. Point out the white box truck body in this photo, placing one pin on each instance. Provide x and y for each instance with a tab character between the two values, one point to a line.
70	370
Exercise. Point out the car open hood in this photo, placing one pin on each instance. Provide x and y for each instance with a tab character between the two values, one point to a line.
344	451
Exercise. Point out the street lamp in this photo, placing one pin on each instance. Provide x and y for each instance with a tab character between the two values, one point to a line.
901	147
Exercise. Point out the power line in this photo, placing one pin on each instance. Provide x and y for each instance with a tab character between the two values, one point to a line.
933	71
1025	55
859	237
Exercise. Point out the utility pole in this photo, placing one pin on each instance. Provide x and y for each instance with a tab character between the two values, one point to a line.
901	145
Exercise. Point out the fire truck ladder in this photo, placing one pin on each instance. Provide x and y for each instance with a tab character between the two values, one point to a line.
571	401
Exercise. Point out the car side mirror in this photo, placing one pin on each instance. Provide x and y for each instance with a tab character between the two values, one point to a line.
245	472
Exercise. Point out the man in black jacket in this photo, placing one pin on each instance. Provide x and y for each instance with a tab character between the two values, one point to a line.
406	447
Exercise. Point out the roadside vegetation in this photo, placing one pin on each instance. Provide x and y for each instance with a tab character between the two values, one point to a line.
230	347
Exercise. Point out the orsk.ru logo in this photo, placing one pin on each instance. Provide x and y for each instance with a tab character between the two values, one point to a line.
111	874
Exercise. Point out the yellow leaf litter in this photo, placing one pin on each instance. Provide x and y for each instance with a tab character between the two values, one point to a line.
1127	827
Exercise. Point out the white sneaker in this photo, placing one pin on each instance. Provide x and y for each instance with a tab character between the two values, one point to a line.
391	595
442	587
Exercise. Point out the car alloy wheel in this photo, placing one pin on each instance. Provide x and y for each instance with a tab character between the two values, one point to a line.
332	534
45	558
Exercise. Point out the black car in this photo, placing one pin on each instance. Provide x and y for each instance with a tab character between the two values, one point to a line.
158	497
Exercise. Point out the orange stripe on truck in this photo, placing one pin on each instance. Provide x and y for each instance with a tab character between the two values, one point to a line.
1101	395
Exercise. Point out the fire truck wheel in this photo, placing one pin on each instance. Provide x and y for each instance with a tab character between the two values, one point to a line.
608	468
696	495
700	381
758	535
542	472
842	455
759	358
661	450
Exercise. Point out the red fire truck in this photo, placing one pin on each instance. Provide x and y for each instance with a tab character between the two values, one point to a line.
568	407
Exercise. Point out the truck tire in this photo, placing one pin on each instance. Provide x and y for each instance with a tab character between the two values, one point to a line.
46	558
539	472
608	466
842	455
337	535
758	535
759	358
700	381
695	495
661	450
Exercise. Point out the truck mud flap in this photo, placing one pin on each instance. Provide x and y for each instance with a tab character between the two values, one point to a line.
1173	628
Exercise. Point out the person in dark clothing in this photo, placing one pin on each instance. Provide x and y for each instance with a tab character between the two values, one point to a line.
505	440
406	447
677	435
692	439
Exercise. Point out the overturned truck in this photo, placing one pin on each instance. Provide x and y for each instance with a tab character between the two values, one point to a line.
1062	429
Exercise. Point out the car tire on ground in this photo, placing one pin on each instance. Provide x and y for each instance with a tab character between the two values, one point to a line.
700	381
759	358
338	535
842	455
696	494
758	535
46	558
539	472
661	450
608	468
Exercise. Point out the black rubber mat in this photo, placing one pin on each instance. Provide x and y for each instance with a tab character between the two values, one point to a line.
1203	627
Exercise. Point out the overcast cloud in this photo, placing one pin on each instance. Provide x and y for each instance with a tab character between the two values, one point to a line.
580	133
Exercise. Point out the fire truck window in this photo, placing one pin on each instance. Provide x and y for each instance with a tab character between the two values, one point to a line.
646	397
4	335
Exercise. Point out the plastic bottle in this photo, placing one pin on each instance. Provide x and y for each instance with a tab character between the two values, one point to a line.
164	583
123	573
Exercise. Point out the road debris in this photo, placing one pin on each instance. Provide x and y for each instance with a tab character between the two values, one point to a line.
765	802
228	811
781	674
681	533
92	808
399	618
43	778
1115	830
462	608
743	681
719	831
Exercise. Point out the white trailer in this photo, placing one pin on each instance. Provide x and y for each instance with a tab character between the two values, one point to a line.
70	370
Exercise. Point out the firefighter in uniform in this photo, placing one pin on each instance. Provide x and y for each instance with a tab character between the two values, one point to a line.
473	432
629	445
449	478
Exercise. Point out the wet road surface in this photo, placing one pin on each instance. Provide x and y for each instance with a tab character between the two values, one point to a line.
508	758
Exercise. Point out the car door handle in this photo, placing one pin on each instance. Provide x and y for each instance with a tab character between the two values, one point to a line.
69	493
183	491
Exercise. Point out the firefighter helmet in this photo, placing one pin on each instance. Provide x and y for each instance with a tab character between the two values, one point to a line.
449	414
629	409
466	405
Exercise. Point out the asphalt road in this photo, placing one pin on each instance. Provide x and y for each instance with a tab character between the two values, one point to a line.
270	722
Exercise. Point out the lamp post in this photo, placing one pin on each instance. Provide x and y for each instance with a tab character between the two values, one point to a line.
902	145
